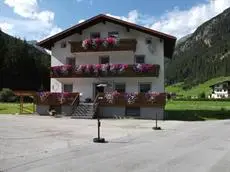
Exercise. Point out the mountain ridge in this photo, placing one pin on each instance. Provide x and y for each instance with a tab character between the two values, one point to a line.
205	54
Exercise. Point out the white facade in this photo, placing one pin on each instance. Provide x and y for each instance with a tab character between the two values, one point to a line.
154	54
220	91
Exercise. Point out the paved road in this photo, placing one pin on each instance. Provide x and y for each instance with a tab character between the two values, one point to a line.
43	144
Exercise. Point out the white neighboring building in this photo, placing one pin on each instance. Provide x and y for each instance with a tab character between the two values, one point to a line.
137	45
220	90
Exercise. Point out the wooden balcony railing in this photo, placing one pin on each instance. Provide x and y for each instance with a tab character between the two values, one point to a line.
133	99
55	99
105	70
123	45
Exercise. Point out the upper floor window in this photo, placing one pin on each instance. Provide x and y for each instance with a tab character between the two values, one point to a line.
94	35
139	59
70	61
113	34
63	44
68	88
119	87
144	87
104	59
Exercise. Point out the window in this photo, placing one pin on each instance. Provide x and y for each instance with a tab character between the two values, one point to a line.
70	61
120	87
94	35
63	44
139	59
68	88
104	59
145	87
148	40
113	34
133	111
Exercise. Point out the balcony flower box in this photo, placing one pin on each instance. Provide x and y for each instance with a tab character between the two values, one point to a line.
107	44
98	42
105	70
150	99
52	98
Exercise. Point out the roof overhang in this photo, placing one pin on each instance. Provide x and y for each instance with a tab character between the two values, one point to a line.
169	41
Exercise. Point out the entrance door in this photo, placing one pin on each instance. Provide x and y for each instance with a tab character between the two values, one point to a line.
98	89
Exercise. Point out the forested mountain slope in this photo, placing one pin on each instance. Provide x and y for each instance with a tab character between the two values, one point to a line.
22	66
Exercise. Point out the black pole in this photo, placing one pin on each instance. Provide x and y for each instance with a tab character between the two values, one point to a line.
156	120
156	127
98	139
98	127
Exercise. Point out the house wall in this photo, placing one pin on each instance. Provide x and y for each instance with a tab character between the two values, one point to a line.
84	85
145	112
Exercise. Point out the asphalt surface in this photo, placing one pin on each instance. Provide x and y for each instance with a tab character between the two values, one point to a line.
45	144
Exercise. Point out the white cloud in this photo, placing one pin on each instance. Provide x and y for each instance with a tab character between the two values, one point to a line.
132	16
28	28
35	24
53	31
89	1
29	9
179	22
82	20
6	27
24	8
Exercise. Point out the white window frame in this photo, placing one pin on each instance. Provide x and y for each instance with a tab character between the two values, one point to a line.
101	57
63	44
67	84
139	55
139	85
112	33
119	83
71	58
91	33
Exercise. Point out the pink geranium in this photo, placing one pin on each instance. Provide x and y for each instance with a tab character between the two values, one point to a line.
86	43
110	40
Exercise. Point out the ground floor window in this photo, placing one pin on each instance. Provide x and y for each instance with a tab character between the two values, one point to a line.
119	87
133	111
68	88
144	87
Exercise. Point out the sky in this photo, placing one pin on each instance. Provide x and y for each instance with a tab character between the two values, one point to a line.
39	19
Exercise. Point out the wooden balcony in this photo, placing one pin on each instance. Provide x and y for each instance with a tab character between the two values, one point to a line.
137	100
67	71
56	99
124	45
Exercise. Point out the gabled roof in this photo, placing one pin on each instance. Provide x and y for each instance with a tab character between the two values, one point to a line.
169	41
221	82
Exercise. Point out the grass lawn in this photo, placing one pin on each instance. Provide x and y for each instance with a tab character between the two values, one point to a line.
175	110
197	110
12	108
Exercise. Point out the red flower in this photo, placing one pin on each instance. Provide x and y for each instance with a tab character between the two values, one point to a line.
98	41
125	66
110	40
98	66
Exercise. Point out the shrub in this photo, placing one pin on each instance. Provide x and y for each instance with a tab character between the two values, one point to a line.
223	109
202	95
7	95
